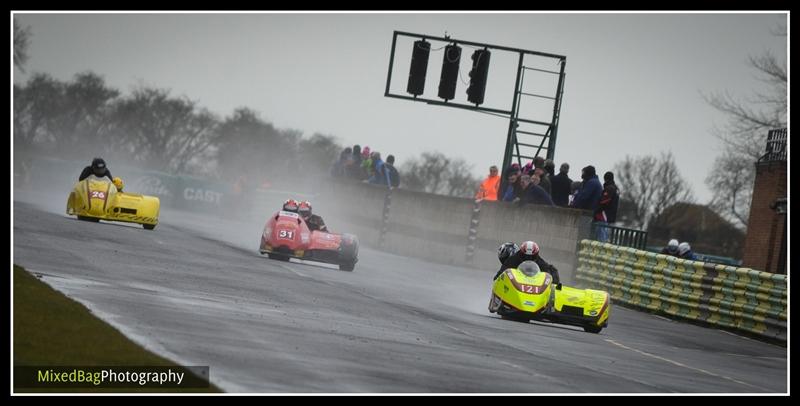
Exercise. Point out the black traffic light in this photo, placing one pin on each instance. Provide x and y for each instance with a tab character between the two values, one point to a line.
447	83
419	67
477	76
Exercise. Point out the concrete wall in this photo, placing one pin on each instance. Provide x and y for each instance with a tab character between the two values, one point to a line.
436	228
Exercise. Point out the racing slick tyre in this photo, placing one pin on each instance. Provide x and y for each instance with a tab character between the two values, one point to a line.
278	257
92	219
347	266
518	319
149	226
592	329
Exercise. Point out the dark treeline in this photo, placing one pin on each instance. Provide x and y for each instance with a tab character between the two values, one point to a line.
154	129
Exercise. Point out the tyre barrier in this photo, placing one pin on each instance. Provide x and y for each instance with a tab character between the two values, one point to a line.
736	298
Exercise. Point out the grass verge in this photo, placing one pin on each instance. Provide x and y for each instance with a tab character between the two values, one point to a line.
52	329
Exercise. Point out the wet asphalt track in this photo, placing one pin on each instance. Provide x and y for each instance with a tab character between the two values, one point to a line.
197	291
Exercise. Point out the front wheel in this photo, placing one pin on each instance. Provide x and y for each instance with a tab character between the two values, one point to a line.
149	226
347	266
519	319
592	328
92	219
278	257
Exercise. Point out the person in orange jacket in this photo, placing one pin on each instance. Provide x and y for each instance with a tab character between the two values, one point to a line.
490	186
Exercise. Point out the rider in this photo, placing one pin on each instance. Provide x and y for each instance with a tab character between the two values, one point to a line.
290	205
118	183
313	221
97	168
528	251
506	250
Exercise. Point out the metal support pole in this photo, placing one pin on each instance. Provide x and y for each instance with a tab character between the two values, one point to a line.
511	140
391	64
551	146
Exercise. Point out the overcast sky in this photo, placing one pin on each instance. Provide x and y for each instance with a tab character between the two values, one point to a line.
633	81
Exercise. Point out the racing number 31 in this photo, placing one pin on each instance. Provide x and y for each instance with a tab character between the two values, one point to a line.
287	234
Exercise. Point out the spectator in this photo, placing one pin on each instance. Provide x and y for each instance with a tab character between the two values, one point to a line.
524	181
533	193
544	179
353	170
528	168
685	251
560	186
550	167
606	212
490	186
338	169
574	188
671	248
378	176
538	162
513	184
367	167
589	195
392	176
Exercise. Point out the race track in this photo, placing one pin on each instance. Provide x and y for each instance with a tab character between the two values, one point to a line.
196	290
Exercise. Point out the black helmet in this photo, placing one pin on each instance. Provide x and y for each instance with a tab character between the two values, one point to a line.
99	166
506	250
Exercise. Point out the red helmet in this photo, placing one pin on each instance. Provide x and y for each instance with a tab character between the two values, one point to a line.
529	248
290	205
304	209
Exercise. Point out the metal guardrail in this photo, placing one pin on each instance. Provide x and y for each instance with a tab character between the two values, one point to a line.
625	237
738	298
717	259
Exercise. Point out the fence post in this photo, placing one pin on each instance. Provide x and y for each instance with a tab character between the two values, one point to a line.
473	229
387	204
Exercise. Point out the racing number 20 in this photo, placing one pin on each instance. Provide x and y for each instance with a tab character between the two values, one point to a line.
287	234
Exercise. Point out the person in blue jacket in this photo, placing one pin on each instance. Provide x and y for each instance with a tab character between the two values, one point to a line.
513	184
589	195
685	251
533	193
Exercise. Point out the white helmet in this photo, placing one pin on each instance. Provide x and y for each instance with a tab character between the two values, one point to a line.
684	248
673	245
530	248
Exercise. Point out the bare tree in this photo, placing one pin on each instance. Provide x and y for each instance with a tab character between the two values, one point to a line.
433	172
744	135
426	173
63	116
164	132
22	38
460	180
249	145
83	113
651	184
35	105
318	153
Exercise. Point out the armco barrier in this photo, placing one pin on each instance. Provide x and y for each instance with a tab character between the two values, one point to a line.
726	296
445	229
